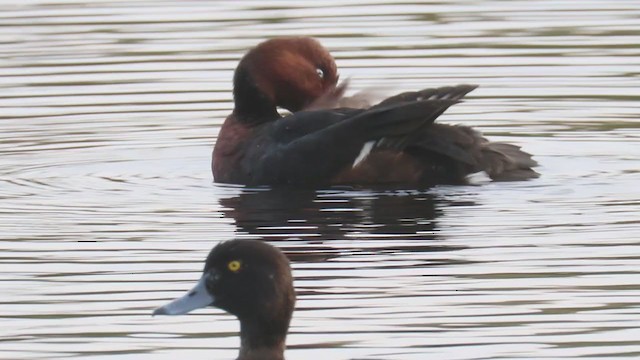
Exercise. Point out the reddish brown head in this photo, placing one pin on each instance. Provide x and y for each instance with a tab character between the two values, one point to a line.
288	72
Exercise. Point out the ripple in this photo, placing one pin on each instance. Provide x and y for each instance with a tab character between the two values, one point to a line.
109	113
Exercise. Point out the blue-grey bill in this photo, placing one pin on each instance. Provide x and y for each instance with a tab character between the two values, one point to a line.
196	298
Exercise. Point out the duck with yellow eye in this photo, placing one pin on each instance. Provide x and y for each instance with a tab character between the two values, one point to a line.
234	265
251	280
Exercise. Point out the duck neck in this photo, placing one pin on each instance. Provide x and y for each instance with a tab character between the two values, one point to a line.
252	105
262	339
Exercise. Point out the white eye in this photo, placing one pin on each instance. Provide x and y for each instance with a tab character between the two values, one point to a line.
320	73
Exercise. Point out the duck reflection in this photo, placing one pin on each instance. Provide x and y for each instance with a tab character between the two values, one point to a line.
385	217
332	214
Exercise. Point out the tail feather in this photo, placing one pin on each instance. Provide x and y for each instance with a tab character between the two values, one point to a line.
507	162
463	151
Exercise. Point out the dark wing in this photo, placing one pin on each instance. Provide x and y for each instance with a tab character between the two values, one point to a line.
442	93
311	147
422	136
297	125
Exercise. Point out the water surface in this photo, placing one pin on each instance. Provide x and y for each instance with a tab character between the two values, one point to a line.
110	109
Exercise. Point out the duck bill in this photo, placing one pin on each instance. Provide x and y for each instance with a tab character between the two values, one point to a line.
196	298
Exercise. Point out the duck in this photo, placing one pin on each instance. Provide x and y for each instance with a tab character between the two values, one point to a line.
251	280
322	142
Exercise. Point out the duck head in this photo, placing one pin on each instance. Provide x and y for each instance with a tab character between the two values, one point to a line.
287	72
251	280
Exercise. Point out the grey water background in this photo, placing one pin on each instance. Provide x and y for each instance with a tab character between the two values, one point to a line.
109	111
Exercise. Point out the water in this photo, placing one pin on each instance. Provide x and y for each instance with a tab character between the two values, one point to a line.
109	110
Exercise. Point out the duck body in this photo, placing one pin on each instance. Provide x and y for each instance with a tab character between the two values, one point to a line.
395	142
313	147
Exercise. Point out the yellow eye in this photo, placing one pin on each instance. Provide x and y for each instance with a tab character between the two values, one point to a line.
234	265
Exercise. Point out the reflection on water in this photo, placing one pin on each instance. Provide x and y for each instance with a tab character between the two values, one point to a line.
284	213
109	113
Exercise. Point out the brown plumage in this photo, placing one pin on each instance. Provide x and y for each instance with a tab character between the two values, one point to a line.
395	142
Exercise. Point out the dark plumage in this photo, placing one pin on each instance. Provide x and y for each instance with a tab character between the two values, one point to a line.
251	280
395	142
